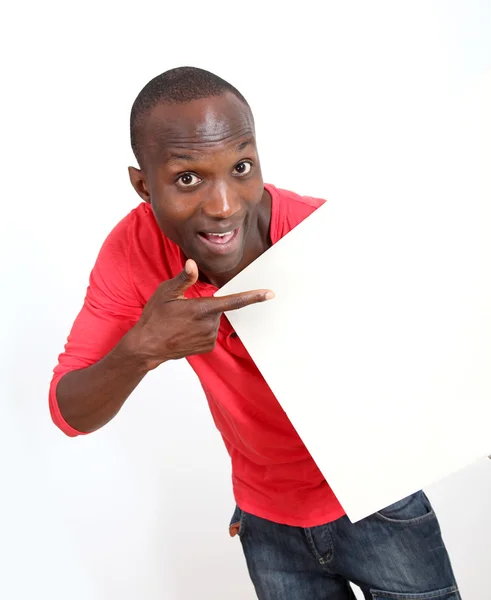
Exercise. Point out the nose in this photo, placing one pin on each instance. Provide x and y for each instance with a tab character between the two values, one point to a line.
221	202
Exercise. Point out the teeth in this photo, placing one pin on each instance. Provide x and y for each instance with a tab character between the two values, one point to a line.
221	234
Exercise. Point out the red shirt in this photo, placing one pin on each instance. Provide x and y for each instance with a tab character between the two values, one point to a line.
274	476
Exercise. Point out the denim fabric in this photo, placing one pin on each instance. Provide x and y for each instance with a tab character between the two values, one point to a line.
396	554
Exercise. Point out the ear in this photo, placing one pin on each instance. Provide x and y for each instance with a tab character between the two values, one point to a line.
139	182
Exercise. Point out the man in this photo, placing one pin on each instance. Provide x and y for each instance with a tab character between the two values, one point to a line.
206	214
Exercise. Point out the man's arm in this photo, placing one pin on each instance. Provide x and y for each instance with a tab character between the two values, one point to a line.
93	376
170	327
89	398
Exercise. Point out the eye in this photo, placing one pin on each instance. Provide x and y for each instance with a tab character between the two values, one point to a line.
187	180
243	168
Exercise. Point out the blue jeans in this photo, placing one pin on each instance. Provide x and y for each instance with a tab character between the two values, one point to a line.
396	554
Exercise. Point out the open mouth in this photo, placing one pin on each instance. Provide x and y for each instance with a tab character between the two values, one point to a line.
219	238
220	241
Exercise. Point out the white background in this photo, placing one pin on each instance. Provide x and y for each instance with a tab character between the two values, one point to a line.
141	508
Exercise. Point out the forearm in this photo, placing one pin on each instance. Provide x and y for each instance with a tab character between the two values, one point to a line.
89	398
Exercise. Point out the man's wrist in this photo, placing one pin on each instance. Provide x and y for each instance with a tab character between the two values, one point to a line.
131	354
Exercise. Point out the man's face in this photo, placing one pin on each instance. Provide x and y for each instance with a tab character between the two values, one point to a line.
203	179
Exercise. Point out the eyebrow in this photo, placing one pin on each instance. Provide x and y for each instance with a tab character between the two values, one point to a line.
178	157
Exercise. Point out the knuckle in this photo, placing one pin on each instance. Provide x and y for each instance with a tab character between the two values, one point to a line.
170	285
172	343
234	303
164	289
212	327
240	302
182	278
203	310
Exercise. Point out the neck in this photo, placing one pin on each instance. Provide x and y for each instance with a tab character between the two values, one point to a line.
259	240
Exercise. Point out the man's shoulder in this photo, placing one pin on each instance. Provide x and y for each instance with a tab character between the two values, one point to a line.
138	221
135	234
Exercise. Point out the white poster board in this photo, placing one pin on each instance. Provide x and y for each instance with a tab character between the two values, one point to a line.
378	343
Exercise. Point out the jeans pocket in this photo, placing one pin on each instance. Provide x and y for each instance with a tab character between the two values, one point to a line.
451	593
237	522
408	511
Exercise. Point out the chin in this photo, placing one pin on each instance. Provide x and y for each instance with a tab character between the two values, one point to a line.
220	265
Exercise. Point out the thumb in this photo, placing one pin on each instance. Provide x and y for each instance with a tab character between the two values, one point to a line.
182	282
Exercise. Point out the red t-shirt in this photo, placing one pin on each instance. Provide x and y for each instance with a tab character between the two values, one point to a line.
274	476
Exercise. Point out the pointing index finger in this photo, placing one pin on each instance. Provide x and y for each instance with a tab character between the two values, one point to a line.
236	301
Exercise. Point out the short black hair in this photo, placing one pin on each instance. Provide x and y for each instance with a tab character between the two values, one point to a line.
176	86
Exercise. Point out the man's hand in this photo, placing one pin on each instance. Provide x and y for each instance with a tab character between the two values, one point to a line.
173	327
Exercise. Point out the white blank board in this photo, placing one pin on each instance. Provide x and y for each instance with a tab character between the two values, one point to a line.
378	343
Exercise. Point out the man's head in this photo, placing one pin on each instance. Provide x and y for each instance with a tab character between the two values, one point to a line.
193	136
